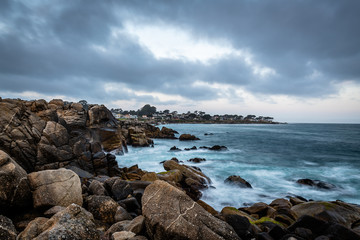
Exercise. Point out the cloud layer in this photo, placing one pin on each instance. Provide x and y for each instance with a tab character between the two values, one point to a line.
82	50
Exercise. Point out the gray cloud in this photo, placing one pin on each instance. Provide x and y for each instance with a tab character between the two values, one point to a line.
48	47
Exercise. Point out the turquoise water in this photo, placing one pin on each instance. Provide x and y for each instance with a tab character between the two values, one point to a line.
270	157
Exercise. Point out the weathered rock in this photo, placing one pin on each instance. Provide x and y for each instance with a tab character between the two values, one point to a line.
33	229
316	183
42	136
171	176
14	187
187	172
52	211
171	214
138	138
103	208
188	137
116	227
193	179
208	208
233	211
123	235
97	188
72	223
60	187
238	181
120	189
7	229
155	132
337	212
99	115
150	176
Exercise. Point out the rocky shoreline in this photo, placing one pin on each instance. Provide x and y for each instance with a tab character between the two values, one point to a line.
60	180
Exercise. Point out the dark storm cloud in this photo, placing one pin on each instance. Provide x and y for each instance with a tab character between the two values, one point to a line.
53	47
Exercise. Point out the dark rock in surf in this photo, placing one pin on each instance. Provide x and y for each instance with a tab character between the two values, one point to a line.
316	183
218	148
238	181
197	160
175	149
188	137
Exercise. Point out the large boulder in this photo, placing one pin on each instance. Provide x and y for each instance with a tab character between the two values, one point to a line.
337	212
60	187
73	223
193	179
170	214
7	229
14	187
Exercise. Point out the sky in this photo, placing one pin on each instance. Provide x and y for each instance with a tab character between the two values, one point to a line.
294	60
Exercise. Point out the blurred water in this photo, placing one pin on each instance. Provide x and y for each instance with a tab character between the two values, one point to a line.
270	157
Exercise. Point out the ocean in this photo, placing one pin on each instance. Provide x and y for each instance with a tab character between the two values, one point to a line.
270	157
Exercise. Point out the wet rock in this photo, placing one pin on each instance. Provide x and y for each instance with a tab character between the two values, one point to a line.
7	229
218	148
193	180
188	137
171	214
103	208
192	148
316	183
174	148
197	160
238	181
60	187
14	187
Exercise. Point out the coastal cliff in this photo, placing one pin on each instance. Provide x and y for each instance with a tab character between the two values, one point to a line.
60	180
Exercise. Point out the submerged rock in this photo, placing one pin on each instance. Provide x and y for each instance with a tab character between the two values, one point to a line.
171	214
238	181
316	183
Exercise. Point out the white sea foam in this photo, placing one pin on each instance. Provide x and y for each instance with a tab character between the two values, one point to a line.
271	158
